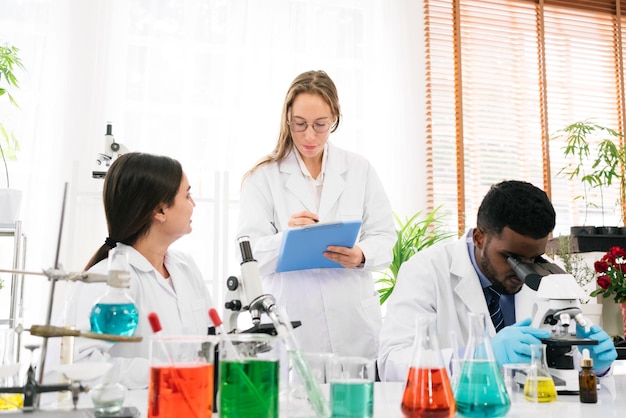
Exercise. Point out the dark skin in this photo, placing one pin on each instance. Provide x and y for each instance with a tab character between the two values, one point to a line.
493	250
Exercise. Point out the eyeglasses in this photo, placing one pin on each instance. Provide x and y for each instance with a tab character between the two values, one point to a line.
319	127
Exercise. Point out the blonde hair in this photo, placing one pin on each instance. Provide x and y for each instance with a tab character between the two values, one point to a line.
312	82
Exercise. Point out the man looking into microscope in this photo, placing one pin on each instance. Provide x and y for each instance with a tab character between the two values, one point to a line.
453	279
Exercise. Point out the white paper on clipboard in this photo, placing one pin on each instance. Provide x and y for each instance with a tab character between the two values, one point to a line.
303	248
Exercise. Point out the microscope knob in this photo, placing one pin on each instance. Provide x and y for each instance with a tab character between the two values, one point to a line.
232	283
233	305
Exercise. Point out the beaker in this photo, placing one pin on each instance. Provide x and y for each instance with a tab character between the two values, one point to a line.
427	392
352	386
539	386
249	375
298	402
181	376
480	390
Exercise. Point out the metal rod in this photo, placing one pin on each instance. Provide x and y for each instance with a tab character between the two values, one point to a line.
44	345
35	273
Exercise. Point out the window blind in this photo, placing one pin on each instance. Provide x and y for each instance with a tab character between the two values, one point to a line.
502	77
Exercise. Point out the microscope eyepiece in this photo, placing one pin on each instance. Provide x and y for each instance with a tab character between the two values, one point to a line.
246	249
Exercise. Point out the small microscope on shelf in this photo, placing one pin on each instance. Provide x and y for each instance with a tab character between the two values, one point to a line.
112	150
557	309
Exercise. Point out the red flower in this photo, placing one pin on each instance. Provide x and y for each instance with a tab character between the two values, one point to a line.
611	275
604	282
617	252
601	266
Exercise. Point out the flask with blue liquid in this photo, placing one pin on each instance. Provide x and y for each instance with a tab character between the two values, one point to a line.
480	390
116	312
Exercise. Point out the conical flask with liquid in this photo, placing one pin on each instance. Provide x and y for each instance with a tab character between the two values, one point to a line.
116	312
427	392
539	386
480	390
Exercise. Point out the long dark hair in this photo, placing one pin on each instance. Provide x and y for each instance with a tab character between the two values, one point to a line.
135	186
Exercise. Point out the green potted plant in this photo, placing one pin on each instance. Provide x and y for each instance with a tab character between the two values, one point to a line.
10	199
573	263
597	157
414	234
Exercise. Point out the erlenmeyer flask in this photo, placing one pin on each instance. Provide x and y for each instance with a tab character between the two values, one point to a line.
116	312
480	390
427	392
539	386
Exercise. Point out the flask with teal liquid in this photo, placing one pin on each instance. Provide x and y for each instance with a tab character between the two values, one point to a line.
480	390
116	312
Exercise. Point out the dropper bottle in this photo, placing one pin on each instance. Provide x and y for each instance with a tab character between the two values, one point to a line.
587	380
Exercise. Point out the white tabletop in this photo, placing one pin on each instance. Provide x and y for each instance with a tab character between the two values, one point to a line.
387	398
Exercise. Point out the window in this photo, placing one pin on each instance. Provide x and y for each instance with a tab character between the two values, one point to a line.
503	76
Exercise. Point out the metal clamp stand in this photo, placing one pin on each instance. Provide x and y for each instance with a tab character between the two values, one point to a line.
32	389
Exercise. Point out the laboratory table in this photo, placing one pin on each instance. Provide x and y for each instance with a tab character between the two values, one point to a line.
387	398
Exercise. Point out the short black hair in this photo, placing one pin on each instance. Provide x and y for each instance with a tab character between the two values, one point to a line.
519	205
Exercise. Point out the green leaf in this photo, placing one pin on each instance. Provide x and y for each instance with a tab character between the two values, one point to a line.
414	234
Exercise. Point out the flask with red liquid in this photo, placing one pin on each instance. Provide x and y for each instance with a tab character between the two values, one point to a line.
427	392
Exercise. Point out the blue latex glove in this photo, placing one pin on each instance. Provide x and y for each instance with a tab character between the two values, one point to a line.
512	343
603	354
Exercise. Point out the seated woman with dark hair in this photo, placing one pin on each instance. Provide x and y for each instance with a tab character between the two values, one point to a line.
148	206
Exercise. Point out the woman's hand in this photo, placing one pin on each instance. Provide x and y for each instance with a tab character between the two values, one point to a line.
303	218
347	257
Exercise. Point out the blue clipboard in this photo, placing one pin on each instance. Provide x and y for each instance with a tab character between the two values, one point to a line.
303	248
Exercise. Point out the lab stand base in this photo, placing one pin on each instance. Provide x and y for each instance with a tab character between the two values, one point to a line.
125	412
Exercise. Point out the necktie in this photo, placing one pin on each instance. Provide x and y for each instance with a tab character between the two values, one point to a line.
494	309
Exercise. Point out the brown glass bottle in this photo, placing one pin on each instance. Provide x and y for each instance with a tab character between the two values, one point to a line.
587	381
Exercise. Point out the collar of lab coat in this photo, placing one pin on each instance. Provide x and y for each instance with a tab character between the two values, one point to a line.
138	261
334	183
468	287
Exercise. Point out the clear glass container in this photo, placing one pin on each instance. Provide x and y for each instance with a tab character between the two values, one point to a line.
539	386
427	392
108	398
116	312
480	390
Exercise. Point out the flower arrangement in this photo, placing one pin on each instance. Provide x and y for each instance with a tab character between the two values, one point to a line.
611	275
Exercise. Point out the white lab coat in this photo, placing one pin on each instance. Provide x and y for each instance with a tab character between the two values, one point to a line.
442	280
339	308
181	312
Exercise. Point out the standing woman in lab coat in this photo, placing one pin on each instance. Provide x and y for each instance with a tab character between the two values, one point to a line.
306	180
148	206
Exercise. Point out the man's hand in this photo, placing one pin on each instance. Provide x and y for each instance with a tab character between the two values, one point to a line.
512	343
603	354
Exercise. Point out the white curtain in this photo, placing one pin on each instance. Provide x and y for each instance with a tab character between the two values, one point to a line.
202	81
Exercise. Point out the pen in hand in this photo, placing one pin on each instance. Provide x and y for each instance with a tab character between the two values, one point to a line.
303	218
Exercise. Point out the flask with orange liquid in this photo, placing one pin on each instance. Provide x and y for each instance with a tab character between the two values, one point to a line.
428	392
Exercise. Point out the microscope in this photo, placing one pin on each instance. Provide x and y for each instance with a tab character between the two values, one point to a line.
245	294
557	309
112	150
